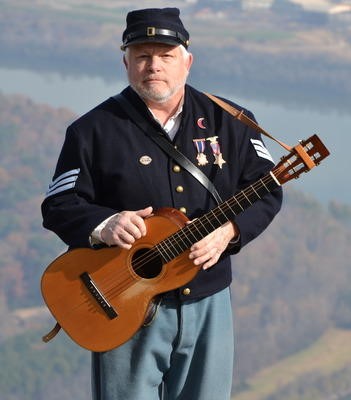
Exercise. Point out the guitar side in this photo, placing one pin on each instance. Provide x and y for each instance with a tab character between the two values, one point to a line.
101	297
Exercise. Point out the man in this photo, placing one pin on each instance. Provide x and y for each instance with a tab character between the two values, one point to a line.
110	176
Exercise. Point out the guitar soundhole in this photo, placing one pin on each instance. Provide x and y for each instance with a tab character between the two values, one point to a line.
147	263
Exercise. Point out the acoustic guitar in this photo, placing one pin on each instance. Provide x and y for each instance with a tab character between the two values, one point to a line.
101	297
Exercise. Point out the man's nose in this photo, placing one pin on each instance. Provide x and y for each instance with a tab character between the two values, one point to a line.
154	63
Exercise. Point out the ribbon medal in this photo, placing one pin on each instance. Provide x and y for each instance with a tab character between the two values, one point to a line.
200	148
216	150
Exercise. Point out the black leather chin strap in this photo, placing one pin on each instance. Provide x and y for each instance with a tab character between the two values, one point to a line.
166	145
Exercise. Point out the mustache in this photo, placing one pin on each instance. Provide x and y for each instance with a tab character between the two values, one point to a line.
152	78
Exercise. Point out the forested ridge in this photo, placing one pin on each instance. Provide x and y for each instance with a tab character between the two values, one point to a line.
290	286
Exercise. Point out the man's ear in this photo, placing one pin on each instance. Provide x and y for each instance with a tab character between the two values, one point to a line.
190	61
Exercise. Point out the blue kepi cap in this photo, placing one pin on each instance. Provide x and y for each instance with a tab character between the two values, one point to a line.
158	25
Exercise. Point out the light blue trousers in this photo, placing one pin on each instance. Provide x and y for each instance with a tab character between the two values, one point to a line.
185	354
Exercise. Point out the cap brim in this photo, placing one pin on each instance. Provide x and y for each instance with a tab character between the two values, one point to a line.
153	39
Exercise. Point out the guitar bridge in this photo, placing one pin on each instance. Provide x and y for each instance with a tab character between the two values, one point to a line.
98	296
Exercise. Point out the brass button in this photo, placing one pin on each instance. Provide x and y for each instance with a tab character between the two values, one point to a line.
186	291
180	189
176	168
183	210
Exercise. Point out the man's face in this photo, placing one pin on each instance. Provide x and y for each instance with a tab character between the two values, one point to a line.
157	71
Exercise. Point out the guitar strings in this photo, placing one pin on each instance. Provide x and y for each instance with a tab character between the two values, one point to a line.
124	278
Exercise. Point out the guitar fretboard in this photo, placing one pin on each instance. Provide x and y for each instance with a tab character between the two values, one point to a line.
180	241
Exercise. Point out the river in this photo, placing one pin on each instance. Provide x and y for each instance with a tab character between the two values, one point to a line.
326	183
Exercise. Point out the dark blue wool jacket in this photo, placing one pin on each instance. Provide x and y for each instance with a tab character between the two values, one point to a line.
107	164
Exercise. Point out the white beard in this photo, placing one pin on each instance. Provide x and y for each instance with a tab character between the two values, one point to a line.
155	95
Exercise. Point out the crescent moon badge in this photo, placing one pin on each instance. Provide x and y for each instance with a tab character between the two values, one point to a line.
200	123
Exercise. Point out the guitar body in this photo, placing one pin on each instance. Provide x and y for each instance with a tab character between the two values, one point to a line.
101	297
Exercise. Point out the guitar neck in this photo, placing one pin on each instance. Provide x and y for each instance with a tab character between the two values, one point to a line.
182	240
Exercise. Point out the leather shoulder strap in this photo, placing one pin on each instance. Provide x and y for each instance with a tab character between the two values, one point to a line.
166	145
245	119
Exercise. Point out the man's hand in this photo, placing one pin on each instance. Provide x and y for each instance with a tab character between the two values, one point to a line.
208	250
125	228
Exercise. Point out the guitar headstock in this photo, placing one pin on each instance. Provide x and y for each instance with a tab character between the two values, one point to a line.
303	157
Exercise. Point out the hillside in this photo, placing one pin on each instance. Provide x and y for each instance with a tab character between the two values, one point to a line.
289	288
320	372
292	284
30	136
